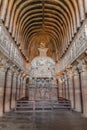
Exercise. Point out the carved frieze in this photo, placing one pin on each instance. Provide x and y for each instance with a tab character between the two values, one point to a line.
9	49
77	47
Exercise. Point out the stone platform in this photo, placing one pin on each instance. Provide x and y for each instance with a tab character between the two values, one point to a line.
43	93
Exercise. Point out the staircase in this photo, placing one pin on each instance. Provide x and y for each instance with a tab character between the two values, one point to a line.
42	106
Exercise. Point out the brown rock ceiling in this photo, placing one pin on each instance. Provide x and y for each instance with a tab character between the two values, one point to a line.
53	22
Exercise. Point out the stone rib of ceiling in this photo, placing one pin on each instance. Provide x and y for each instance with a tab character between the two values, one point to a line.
38	21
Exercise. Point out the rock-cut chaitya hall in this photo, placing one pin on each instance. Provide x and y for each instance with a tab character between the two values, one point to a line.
43	64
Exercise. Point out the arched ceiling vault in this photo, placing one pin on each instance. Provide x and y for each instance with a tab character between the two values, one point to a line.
52	21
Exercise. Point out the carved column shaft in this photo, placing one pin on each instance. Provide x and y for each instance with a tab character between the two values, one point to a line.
16	92
77	91
18	87
7	77
21	85
24	85
57	82
8	91
27	92
60	87
13	90
3	75
64	87
71	88
84	88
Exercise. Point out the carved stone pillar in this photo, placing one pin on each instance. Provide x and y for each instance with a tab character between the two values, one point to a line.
84	87
77	90
66	87
71	88
60	86
27	91
8	91
21	84
4	79
22	78
6	86
13	91
18	86
24	85
63	86
16	91
57	83
3	71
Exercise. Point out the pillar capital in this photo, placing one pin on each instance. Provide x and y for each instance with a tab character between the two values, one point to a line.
12	68
69	72
16	72
75	70
82	66
65	76
4	64
62	79
21	73
59	78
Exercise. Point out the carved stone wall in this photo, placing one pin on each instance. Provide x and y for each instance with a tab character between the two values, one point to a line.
77	47
9	48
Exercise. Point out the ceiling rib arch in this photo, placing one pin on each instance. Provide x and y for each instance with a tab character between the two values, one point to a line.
59	20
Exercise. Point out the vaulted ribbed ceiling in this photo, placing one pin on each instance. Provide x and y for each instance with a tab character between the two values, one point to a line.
53	22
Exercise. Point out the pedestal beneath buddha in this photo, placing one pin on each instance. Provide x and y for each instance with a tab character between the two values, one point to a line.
43	89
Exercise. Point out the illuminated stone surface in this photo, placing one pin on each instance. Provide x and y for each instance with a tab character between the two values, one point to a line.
62	120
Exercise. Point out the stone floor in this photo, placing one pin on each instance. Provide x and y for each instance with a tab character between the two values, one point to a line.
61	120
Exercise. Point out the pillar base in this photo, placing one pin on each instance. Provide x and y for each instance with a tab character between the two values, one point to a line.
84	115
1	113
7	109
77	110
